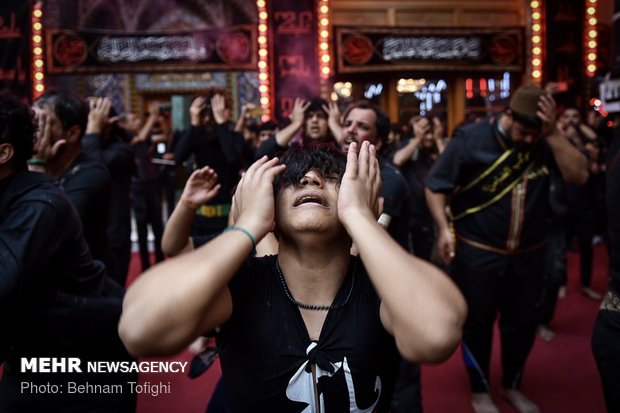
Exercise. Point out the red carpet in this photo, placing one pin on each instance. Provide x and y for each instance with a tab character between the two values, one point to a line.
560	377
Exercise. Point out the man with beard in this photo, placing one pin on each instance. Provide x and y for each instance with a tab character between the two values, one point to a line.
364	121
498	174
56	301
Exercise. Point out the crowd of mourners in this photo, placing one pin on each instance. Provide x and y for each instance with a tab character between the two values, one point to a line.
311	256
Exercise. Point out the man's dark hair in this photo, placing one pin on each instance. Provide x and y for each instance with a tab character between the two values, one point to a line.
316	105
325	158
69	110
267	125
383	122
533	122
17	128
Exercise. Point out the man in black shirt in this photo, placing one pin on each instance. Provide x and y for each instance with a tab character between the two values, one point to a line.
213	143
366	122
606	335
312	327
498	174
86	181
106	142
55	300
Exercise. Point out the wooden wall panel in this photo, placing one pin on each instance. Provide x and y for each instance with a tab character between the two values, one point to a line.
423	13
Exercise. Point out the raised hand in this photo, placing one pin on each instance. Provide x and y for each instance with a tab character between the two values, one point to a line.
218	105
546	113
44	148
98	114
201	187
334	120
361	183
298	113
253	201
196	110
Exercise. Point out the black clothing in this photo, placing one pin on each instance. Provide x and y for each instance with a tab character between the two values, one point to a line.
415	171
396	202
499	256
117	156
87	184
267	355
514	291
580	224
146	203
219	148
555	270
269	147
606	334
468	154
55	300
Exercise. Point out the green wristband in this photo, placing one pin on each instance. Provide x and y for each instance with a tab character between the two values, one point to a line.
36	161
246	232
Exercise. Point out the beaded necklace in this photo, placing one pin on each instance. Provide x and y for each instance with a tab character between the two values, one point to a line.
313	307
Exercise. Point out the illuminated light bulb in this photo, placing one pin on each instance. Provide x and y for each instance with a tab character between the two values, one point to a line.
39	76
324	22
324	9
262	28
36	38
536	62
262	65
324	33
592	44
536	27
264	101
38	13
262	88
535	39
592	56
592	34
536	50
325	70
591	10
262	52
262	76
262	15
534	4
37	26
536	74
37	51
38	63
39	88
323	46
262	39
325	58
260	3
592	21
536	15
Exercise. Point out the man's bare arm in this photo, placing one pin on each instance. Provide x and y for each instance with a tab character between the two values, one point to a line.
421	306
179	299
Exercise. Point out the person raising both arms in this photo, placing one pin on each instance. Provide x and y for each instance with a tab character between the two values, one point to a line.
312	326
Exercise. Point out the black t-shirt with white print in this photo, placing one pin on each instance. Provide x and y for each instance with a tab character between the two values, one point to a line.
267	356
